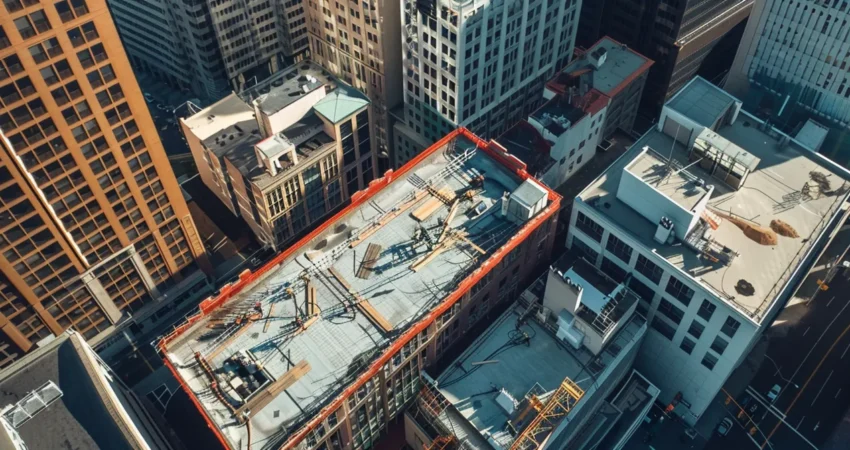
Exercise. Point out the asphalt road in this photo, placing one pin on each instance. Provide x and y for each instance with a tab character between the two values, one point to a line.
811	365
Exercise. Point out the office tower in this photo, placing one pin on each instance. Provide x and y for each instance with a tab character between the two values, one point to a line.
595	95
211	48
677	35
285	153
482	67
358	42
63	396
688	218
95	232
791	68
365	301
578	330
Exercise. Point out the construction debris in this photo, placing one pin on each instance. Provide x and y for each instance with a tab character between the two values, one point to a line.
783	229
756	232
745	288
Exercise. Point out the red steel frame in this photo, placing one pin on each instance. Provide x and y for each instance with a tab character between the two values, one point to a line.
227	292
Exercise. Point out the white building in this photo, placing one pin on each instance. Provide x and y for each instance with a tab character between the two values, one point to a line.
795	53
578	330
596	94
478	64
687	219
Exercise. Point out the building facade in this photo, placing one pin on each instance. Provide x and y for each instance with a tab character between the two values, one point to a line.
677	35
481	66
378	300
95	229
682	217
358	42
285	153
794	56
596	94
211	47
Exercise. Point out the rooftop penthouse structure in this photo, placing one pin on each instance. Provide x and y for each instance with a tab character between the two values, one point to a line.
712	217
325	343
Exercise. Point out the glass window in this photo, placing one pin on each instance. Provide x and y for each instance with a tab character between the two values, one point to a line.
709	361
719	345
585	251
643	291
619	248
648	269
671	311
589	227
679	291
696	329
687	345
706	310
614	271
664	328
730	327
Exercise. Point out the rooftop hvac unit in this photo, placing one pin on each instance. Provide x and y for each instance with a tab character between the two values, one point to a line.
664	232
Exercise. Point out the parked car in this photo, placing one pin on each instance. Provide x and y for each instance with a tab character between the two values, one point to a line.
724	427
774	392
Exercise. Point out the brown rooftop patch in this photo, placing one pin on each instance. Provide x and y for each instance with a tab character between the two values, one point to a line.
756	232
783	229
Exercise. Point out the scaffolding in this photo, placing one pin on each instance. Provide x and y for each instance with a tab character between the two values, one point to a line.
559	404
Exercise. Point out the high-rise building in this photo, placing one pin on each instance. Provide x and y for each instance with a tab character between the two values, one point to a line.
63	396
791	67
323	346
211	48
359	43
595	95
94	231
285	153
713	218
578	332
482	67
676	34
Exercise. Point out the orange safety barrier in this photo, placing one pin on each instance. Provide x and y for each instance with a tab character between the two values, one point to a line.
495	151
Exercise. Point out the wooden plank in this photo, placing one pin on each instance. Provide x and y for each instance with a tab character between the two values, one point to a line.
226	343
311	306
373	315
387	218
448	222
439	249
261	399
362	304
434	203
268	318
373	252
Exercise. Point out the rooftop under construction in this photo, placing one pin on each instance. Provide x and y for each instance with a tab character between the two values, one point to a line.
270	352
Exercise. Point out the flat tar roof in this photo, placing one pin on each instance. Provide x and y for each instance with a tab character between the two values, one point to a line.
342	346
622	65
538	366
772	191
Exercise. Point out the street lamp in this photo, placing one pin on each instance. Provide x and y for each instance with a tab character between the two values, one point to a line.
780	374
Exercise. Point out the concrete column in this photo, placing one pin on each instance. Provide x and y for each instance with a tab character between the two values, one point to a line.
143	273
101	297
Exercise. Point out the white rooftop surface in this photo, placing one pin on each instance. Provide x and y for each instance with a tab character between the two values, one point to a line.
228	111
678	185
772	191
340	345
546	361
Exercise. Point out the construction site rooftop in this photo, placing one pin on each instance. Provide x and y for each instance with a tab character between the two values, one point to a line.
785	187
619	66
516	357
306	329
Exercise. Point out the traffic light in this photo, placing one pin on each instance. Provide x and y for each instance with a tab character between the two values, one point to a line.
728	400
752	431
740	413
